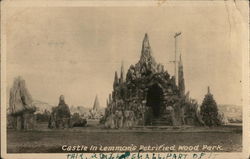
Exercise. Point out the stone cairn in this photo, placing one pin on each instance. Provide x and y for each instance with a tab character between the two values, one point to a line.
21	110
131	101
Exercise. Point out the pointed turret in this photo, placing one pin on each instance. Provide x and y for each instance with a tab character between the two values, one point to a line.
145	43
181	81
96	105
146	49
116	81
146	58
122	74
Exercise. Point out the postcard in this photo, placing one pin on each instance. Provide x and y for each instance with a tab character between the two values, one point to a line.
125	79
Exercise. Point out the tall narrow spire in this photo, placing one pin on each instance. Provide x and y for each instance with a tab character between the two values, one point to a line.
208	90
116	81
180	61
96	105
146	51
145	44
181	81
122	73
175	56
110	98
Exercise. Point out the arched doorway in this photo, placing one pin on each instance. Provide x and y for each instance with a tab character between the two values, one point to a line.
154	100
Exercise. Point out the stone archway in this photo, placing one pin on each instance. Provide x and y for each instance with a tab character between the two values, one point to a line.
154	100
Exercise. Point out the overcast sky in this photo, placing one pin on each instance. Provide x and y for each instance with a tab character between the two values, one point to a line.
75	51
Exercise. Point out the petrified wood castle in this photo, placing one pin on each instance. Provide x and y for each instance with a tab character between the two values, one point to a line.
149	95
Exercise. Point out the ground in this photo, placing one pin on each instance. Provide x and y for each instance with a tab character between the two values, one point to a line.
51	141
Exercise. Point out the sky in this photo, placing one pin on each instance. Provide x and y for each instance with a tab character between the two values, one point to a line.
75	51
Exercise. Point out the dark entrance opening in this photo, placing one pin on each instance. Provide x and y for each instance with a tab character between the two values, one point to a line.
154	99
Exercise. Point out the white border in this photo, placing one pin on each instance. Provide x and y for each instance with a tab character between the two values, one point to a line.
6	4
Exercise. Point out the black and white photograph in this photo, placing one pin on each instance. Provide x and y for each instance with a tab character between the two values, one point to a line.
165	78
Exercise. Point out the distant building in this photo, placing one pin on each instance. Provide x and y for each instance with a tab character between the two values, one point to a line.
95	112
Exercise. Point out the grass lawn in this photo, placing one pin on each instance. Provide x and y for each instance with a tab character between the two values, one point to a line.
51	141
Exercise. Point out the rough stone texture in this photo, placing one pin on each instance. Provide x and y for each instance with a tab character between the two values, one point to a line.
149	96
129	119
29	121
60	116
11	122
21	108
20	98
110	121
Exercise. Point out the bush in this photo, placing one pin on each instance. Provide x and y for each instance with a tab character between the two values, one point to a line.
43	117
77	121
80	123
209	111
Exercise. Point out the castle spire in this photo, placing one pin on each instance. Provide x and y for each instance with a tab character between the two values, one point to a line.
145	44
116	81
146	49
181	81
110	98
122	74
146	57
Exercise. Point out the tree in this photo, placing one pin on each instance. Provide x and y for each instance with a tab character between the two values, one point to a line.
209	110
77	121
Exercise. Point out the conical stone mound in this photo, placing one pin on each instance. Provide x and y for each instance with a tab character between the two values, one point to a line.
20	99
